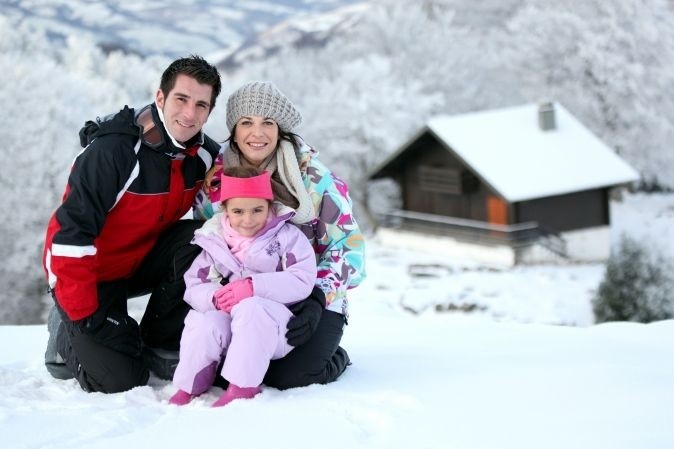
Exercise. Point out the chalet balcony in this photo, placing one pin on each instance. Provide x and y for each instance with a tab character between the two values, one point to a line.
516	236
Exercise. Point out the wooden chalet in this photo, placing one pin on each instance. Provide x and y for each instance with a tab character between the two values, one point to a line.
524	184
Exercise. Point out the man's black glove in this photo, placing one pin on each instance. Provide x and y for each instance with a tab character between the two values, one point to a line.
112	329
307	315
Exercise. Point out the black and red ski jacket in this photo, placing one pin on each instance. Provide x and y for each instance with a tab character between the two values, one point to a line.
121	194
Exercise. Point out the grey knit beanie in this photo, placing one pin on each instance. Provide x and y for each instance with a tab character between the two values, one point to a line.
262	98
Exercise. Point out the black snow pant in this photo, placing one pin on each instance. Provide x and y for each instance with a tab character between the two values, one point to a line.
104	357
318	361
108	358
161	275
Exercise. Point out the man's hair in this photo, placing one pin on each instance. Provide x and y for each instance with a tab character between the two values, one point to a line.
195	67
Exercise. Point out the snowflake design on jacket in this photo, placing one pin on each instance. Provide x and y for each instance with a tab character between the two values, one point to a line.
273	247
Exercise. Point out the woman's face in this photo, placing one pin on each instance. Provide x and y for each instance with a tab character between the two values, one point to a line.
256	137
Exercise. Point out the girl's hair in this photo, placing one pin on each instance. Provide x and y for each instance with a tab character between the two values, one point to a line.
241	172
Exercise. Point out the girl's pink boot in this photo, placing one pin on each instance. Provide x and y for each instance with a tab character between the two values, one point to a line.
181	398
233	392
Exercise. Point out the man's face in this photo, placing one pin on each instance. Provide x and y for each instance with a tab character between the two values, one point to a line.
185	108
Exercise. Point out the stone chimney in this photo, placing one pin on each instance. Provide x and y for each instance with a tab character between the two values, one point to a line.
546	116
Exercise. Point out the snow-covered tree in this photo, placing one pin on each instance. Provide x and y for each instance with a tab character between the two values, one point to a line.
51	91
609	63
637	285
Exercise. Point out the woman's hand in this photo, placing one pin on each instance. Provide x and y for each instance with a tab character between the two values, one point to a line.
307	313
212	183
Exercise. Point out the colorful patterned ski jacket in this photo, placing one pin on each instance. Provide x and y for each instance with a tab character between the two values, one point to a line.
280	262
334	234
121	194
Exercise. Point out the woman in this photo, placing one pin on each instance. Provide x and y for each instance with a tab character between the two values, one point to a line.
261	121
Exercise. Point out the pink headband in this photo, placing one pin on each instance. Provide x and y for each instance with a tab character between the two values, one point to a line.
255	187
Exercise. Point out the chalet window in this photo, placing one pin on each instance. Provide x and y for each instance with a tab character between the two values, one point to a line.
440	180
469	182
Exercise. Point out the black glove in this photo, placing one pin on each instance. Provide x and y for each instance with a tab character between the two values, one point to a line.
307	315
112	329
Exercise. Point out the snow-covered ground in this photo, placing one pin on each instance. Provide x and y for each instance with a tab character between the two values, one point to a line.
524	368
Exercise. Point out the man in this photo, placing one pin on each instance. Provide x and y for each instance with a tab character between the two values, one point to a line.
118	232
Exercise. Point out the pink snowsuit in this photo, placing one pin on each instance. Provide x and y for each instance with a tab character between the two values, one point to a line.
282	266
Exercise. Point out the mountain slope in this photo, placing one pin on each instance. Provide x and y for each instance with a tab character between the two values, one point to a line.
158	26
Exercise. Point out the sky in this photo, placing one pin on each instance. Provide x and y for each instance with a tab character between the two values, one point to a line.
526	369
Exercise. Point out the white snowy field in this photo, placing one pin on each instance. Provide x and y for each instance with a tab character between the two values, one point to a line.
526	369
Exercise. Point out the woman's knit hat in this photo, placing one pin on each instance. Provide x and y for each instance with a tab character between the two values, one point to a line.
262	98
253	187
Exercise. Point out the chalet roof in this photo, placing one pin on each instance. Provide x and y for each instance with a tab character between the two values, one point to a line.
507	150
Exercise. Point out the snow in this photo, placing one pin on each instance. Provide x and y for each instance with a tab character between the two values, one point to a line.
540	163
506	375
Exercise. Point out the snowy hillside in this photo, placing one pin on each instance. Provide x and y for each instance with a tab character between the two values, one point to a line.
161	27
310	33
433	382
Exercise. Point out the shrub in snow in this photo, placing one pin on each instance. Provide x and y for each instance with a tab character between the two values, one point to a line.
637	285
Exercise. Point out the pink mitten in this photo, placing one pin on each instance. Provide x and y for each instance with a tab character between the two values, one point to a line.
233	293
220	296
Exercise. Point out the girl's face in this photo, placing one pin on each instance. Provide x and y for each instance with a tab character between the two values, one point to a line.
247	215
256	137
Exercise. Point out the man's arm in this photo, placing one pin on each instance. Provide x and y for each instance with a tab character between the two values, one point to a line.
98	174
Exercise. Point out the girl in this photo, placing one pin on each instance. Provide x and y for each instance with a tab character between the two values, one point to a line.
252	265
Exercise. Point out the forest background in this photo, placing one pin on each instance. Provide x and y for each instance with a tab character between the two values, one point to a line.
366	76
